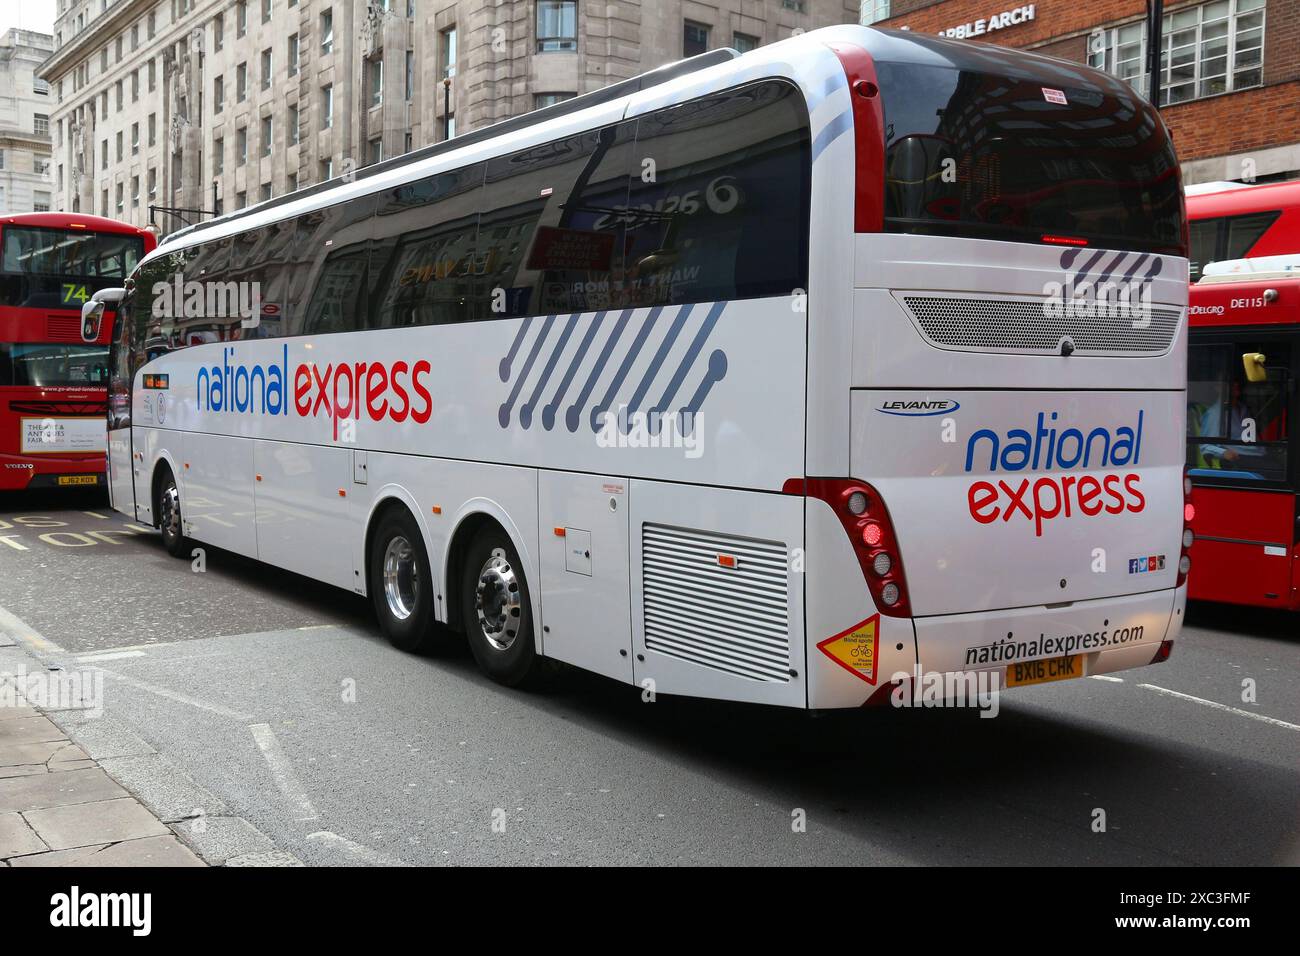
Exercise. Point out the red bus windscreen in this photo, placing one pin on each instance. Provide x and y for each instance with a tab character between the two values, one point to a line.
46	268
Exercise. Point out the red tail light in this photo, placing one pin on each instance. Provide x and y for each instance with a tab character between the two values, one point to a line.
1162	652
868	137
1189	513
865	518
1065	240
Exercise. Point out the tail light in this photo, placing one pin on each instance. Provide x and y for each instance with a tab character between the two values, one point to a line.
1189	513
865	518
1162	652
868	136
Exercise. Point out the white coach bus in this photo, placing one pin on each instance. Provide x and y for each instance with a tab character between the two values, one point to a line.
762	377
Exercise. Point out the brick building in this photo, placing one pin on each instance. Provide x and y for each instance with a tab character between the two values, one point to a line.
1231	84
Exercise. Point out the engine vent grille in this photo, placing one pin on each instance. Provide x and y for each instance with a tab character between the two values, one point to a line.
968	323
63	328
732	619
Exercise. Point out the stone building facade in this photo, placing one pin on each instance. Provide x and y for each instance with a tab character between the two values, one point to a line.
202	105
25	108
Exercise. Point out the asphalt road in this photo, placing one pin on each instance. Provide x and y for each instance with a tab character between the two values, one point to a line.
265	716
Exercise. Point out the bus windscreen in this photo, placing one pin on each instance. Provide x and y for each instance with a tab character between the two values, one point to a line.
978	155
43	268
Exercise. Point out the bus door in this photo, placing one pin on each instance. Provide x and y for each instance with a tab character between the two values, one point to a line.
1241	403
121	474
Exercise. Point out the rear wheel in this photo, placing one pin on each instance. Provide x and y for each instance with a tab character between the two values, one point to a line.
401	585
169	517
497	613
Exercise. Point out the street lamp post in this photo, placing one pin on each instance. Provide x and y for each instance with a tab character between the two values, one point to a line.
1155	40
446	108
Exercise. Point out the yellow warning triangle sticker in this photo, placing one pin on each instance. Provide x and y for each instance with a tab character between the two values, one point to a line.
857	650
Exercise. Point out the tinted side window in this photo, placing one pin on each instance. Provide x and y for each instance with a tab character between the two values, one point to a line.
423	256
719	199
335	257
551	232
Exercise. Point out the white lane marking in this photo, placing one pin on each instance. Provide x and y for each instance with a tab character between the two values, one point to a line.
282	770
15	627
109	656
5	538
179	697
313	627
96	514
1217	706
1107	677
363	854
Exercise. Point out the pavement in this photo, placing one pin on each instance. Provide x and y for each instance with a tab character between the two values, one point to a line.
263	719
58	807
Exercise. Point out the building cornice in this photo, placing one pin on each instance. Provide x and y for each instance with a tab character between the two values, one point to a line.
100	31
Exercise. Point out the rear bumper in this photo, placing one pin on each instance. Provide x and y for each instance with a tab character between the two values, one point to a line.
19	473
1113	633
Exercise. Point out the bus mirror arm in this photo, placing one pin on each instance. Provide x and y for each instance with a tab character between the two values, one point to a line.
92	313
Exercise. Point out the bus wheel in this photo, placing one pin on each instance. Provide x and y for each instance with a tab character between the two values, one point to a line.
169	517
497	614
401	584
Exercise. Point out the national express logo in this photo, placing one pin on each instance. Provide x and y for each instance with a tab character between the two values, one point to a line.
1042	446
346	391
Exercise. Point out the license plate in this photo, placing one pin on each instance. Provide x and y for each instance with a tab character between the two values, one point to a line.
78	479
1044	672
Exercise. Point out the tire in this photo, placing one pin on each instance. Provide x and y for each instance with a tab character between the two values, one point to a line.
401	585
497	613
170	522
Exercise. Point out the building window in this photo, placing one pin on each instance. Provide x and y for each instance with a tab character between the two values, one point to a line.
153	76
266	11
241	199
40	124
326	106
42	87
218	32
550	99
117	95
293	120
266	69
557	25
135	192
451	126
241	146
293	55
267	134
292	182
377	81
40	201
873	11
117	140
327	32
153	182
241	19
218	156
119	193
695	39
447	52
376	150
743	42
135	43
1206	50
218	94
153	129
151	25
135	139
241	82
103	202
326	170
266	192
135	86
117	50
410	75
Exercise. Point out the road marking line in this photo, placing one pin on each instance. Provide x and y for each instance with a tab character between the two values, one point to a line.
142	530
1217	706
282	770
363	853
1107	677
109	656
179	698
13	544
96	514
15	627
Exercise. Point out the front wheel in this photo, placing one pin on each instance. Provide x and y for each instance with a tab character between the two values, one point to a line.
169	517
497	614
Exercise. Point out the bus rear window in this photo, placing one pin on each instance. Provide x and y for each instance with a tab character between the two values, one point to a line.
45	268
992	157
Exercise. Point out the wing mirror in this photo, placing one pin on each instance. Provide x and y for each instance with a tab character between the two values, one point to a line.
1253	362
92	313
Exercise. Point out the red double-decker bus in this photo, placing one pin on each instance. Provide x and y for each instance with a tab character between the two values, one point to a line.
1243	353
53	385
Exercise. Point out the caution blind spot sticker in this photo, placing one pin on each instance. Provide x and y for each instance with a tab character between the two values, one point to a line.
857	650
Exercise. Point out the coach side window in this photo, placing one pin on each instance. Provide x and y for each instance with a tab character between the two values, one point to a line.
205	309
551	233
422	257
719	204
336	258
152	301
